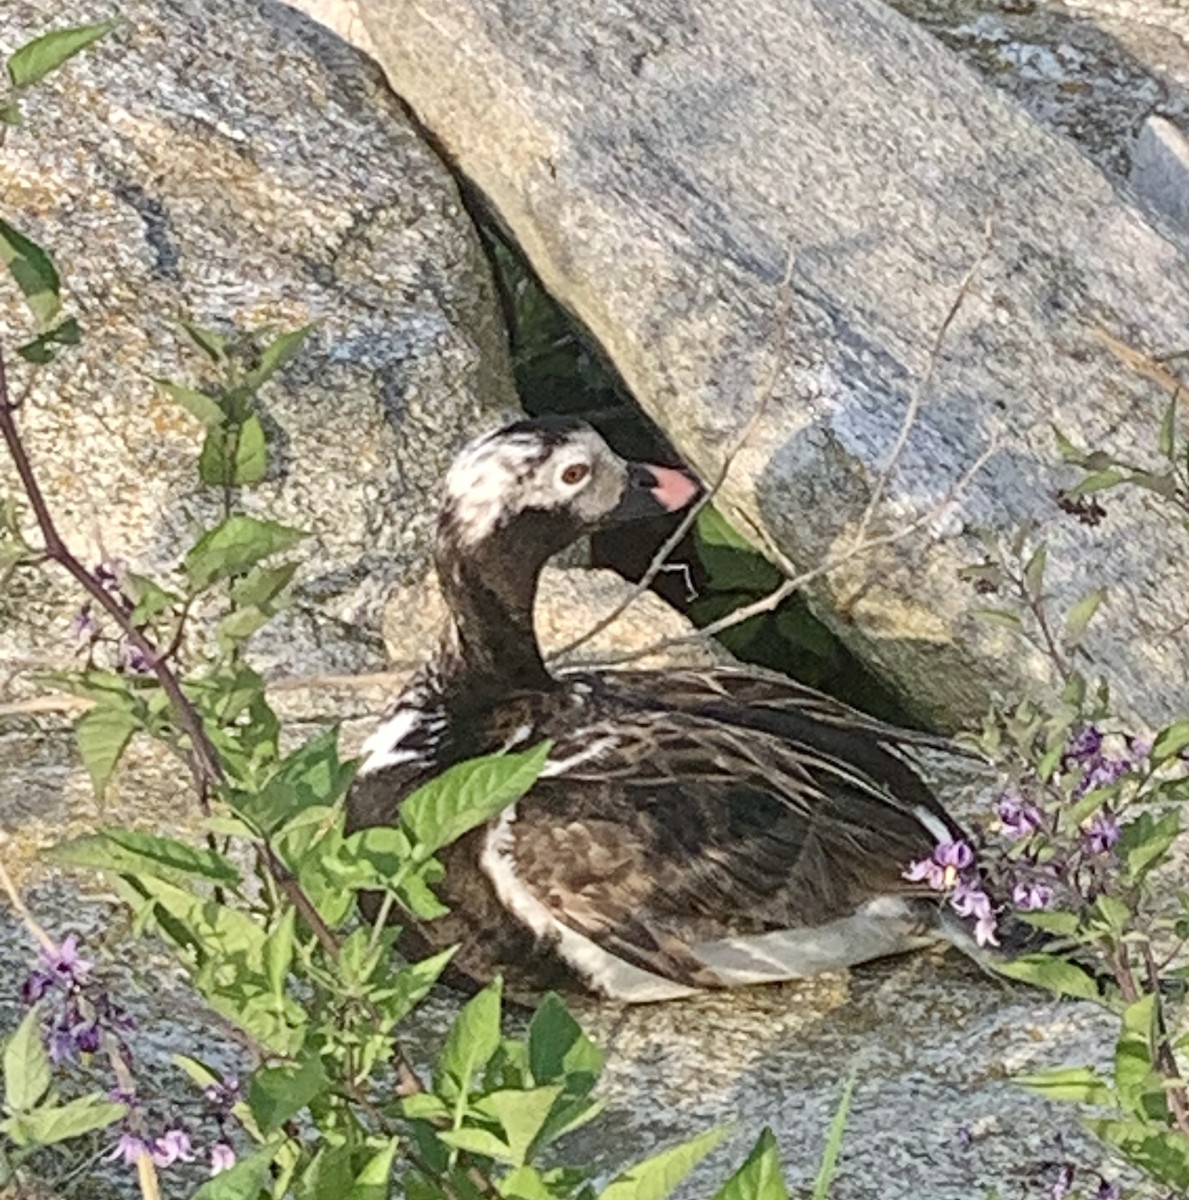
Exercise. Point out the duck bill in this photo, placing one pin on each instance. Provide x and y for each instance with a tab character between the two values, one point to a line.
653	491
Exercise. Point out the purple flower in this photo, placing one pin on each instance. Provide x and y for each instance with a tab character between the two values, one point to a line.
84	626
1102	773
86	1037
1103	833
134	660
1063	1183
953	854
969	900
1028	897
965	1137
1141	748
36	984
1108	1191
1018	817
129	1148
1084	745
173	1146
942	868
64	964
926	870
222	1158
224	1094
60	1044
984	930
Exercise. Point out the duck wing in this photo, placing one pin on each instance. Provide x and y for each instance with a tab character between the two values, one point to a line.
665	850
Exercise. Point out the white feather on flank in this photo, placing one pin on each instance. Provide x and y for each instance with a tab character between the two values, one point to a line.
883	926
381	745
938	830
602	971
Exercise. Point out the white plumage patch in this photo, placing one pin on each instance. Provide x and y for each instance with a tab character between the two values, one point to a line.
384	746
883	926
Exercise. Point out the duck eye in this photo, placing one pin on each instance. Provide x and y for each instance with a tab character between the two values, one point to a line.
575	473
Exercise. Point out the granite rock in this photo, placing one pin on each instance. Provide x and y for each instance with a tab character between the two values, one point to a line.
659	163
177	172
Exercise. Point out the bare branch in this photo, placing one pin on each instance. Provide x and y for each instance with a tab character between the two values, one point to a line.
773	599
918	393
661	558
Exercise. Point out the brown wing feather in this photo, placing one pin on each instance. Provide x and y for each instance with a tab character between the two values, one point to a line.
683	831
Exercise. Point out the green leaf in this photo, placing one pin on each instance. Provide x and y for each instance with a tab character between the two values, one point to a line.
477	1141
278	952
1136	1079
33	273
1170	742
276	354
732	563
467	795
135	853
1082	1085
60	1122
1096	481
151	598
1055	974
1145	842
202	407
1081	614
245	1180
557	1046
261	585
759	1178
277	1093
473	1039
103	735
36	59
828	1167
212	344
251	453
1034	571
1161	1155
658	1176
375	1180
1167	441
1152	481
522	1116
999	616
234	546
26	1064
312	776
10	114
41	349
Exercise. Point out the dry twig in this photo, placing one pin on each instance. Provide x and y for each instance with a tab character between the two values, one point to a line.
661	558
861	543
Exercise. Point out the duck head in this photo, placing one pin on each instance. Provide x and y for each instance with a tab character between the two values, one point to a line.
513	499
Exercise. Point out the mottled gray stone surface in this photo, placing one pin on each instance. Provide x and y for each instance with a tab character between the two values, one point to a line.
1160	169
1092	69
658	162
223	162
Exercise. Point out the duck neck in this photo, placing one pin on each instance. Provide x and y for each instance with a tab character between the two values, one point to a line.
489	644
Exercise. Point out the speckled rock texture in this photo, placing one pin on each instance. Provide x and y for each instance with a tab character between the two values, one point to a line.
177	171
659	162
1093	69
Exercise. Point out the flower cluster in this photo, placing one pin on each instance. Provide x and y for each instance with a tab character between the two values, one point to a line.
1042	862
78	1010
177	1144
79	1016
951	869
88	631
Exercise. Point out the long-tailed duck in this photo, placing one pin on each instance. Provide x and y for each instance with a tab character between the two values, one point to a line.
691	829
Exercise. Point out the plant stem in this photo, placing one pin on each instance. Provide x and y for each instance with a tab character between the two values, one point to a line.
1165	1059
205	760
